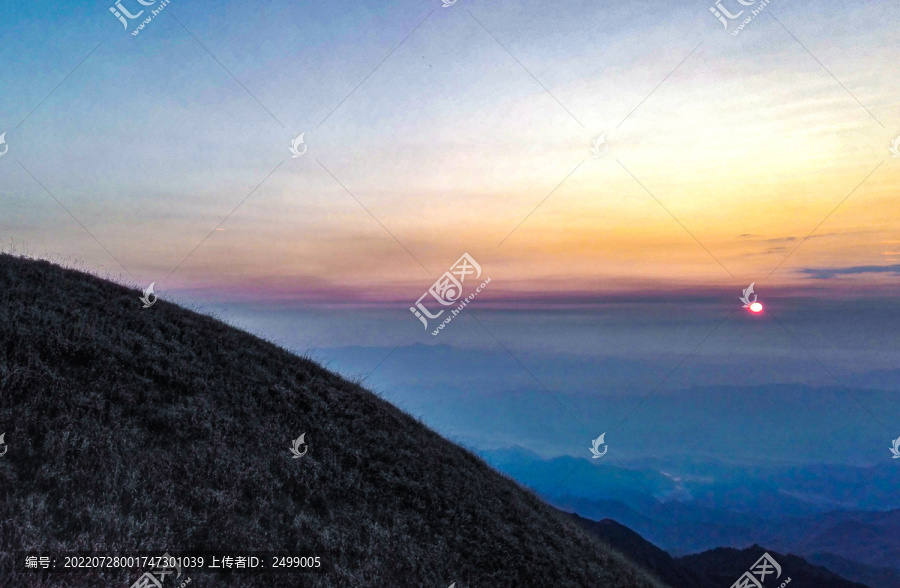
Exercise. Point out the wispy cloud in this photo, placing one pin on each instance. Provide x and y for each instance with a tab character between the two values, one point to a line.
760	239
831	272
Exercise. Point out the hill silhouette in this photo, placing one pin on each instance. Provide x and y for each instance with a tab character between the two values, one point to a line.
648	556
725	564
719	566
163	429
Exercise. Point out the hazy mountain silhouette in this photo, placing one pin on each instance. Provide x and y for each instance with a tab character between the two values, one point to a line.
163	429
645	554
722	566
767	506
725	565
879	577
485	400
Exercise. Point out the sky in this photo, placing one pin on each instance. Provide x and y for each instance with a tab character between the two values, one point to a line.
430	132
761	157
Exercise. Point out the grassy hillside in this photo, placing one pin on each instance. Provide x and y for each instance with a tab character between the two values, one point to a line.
162	429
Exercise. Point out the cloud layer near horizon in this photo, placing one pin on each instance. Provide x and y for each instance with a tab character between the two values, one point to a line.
732	159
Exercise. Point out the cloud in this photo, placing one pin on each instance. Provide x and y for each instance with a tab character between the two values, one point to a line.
760	239
827	273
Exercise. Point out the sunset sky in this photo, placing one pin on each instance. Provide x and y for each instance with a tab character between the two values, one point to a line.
431	132
448	139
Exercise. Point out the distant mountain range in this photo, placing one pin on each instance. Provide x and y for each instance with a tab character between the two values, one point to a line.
725	565
721	567
877	577
776	413
722	509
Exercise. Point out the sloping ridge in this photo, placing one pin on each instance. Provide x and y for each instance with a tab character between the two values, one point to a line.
163	429
723	566
651	558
